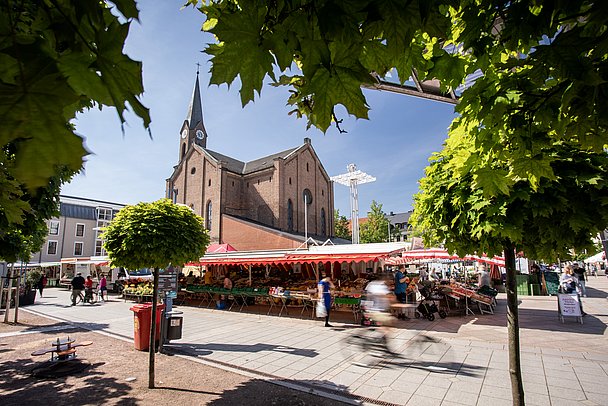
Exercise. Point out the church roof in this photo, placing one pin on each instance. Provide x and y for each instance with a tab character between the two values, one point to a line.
243	168
265	162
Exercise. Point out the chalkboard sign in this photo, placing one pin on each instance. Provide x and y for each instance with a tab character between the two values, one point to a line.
569	305
551	280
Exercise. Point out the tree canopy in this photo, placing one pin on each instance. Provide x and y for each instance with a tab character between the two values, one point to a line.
341	226
325	50
20	239
375	229
58	58
155	235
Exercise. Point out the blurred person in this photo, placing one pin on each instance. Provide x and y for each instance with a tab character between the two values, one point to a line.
324	287
41	283
483	277
581	274
380	300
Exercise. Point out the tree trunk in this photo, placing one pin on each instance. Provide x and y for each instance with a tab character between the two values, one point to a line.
517	387
16	314
9	275
153	330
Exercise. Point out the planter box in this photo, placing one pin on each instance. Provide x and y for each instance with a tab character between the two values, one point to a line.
28	298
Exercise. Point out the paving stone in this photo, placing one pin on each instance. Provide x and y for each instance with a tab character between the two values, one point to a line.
461	397
417	400
566	393
487	400
433	392
395	396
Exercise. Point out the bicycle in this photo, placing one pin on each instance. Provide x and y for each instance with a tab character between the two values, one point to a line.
90	296
368	342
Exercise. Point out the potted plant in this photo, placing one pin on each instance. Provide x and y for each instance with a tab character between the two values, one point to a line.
27	292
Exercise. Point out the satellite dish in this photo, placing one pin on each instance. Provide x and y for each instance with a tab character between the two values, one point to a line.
307	196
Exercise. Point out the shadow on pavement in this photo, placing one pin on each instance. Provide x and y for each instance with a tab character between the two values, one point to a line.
18	387
206	349
259	392
532	319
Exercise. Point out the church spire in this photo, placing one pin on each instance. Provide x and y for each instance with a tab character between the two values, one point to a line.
195	111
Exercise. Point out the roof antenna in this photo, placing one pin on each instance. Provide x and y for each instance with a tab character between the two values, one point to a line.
198	65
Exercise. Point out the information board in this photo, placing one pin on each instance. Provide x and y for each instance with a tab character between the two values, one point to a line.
569	305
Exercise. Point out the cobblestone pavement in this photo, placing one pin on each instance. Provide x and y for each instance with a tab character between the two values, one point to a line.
456	361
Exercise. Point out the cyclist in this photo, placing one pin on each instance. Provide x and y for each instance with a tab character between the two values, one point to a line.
380	299
77	287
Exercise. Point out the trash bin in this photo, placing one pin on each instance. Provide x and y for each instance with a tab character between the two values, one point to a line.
174	327
142	318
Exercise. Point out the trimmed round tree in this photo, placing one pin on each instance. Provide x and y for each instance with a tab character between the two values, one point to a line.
155	235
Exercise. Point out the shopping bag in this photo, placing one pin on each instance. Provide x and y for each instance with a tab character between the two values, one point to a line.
321	310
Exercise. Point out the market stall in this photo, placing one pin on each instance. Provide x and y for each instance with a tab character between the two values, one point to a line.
285	281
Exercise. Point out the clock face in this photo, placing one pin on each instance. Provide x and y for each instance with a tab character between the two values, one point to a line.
184	133
199	134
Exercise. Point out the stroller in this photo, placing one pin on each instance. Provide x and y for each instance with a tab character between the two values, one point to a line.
427	307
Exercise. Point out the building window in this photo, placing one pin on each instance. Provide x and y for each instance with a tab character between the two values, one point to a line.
192	171
289	215
258	181
79	230
99	251
104	214
323	228
209	182
78	249
247	184
232	183
208	218
183	150
51	248
322	193
270	179
54	227
290	181
306	166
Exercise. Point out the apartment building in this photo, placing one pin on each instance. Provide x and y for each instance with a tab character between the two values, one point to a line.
76	232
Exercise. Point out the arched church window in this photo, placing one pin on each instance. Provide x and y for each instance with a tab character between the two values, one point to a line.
192	171
289	215
183	150
208	216
290	181
306	166
323	229
209	182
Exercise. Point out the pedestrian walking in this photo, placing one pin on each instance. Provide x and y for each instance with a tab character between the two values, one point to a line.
580	273
41	283
325	285
77	287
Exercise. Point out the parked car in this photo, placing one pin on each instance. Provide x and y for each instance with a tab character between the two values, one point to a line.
124	275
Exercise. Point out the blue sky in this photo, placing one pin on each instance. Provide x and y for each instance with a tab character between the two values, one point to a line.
393	145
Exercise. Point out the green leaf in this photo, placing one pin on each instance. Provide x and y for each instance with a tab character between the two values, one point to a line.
491	181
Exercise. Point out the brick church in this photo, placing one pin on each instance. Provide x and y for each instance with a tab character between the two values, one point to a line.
269	203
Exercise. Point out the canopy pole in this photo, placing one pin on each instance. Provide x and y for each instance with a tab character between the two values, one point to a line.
249	274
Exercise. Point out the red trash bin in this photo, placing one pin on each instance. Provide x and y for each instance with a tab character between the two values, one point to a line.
142	322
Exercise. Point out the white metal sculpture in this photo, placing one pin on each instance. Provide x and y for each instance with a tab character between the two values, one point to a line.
353	178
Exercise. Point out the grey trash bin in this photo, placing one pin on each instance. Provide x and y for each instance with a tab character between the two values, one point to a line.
174	327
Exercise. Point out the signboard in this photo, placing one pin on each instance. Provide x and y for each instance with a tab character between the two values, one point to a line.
167	282
569	305
167	279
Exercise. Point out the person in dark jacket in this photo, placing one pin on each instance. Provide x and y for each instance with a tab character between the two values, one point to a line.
77	287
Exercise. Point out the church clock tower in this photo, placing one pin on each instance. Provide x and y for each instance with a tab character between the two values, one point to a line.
193	130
